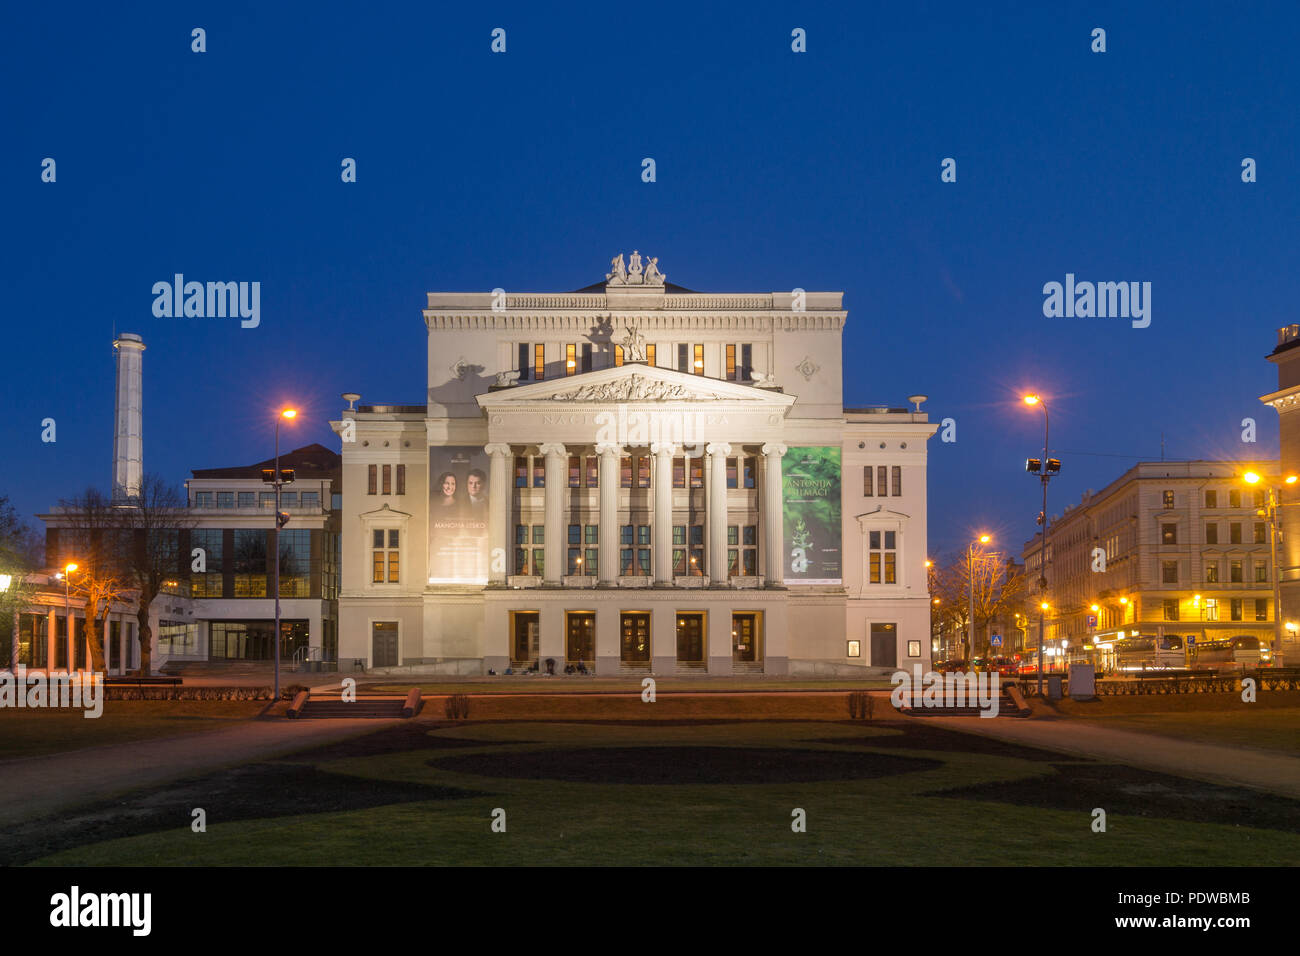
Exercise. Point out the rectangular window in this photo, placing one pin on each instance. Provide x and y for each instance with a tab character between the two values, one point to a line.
625	472
697	472
571	359
1261	533
746	363
1211	572
880	481
1171	609
586	356
539	472
1234	608
574	561
867	484
1212	532
1234	532
733	472
882	557
521	472
750	475
1261	573
697	366
250	563
225	499
385	559
1211	609
203	499
679	472
1261	609
618	356
1169	534
575	471
266	499
524	364
1234	499
650	354
539	534
575	534
1211	499
643	471
1257	496
683	358
247	499
388	479
1169	572
593	471
731	363
311	499
592	534
1168	501
289	499
1234	572
401	479
539	362
896	481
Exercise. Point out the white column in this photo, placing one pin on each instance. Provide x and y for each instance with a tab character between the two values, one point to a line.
499	495
557	460
608	480
773	515
50	650
663	513
717	511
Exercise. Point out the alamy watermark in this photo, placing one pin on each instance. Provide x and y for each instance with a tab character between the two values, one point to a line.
933	690
57	689
212	300
1102	300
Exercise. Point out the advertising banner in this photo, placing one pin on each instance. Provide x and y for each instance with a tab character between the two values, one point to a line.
810	478
458	515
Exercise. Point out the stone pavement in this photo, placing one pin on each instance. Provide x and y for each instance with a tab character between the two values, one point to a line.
1245	766
38	786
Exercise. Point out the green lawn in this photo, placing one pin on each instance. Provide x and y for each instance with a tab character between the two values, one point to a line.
1277	729
594	793
30	733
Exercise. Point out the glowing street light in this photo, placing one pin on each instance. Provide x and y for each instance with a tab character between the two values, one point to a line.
286	414
970	571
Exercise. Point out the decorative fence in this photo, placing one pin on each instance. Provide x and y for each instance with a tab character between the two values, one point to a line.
1275	679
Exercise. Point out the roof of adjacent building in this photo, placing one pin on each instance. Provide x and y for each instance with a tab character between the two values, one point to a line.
310	461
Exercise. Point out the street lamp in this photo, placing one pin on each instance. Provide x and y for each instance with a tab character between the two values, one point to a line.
286	414
1045	468
970	619
66	574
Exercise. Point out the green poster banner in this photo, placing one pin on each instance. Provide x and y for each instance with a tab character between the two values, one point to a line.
810	493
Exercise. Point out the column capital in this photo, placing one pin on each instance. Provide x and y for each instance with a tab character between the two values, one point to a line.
719	449
613	449
774	449
498	448
553	449
663	448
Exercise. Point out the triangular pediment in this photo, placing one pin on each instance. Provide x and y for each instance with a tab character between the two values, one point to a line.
634	383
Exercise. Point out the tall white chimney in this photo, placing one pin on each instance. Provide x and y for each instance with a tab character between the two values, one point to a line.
128	417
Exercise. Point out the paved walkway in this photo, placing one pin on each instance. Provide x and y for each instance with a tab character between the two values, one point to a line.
37	786
1245	766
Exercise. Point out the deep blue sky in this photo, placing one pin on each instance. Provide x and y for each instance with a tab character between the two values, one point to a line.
775	170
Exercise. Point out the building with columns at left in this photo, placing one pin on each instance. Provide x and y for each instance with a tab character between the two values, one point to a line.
634	478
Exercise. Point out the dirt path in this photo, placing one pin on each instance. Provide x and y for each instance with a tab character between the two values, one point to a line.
1264	770
37	786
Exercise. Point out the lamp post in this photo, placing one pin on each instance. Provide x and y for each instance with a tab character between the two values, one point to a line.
67	612
1270	511
970	618
290	414
1044	468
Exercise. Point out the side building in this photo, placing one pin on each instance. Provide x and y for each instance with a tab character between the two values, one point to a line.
1167	549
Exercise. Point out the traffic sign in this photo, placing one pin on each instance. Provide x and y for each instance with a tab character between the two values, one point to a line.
1092	622
1191	638
996	640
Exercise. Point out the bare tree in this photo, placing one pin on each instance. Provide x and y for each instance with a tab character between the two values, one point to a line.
155	518
998	586
95	539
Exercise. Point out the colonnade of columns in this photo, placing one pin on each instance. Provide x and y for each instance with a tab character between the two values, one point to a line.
556	455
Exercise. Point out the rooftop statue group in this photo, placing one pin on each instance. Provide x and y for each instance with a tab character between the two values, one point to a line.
632	273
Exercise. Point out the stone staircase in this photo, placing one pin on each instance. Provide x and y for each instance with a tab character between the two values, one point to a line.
381	708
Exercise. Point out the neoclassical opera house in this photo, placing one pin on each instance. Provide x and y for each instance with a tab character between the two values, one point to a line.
634	478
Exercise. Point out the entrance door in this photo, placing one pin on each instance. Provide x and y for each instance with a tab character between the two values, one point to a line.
580	638
690	637
634	631
384	636
884	645
525	637
745	639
